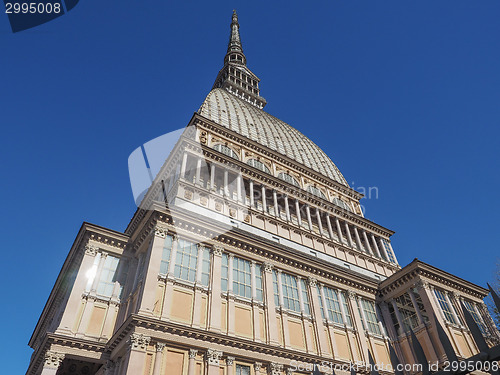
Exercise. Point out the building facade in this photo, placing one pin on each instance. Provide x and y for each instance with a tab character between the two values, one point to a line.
248	255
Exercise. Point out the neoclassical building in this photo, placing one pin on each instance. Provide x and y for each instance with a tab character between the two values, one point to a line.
248	255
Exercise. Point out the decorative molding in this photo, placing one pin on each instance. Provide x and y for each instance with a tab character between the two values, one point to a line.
53	359
351	294
160	231
139	341
230	361
268	267
312	281
422	284
275	368
213	357
91	250
160	346
257	366
217	250
193	353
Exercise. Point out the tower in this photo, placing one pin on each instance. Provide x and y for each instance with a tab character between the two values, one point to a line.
249	254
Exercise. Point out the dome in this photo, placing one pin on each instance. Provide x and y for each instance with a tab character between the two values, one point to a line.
253	123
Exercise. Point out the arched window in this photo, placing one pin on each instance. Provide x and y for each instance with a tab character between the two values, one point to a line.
290	179
317	192
342	204
226	150
259	165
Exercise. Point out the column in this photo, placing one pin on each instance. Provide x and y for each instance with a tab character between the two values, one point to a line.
339	230
230	296
158	357
320	327
348	232
71	312
384	251
323	301
275	200
375	246
192	361
280	288
230	365
169	288
297	210
368	247
198	170
215	290
238	187
213	361
329	225
308	213
183	165
415	306
212	176
393	253
255	306
287	209
398	317
342	308
452	308
320	225
358	240
357	323
301	299
52	361
198	287
272	323
138	344
226	183
264	204
251	194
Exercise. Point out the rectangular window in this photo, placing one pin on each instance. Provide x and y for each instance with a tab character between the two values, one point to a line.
290	292
445	307
407	311
388	250
470	308
205	267
186	260
305	297
276	288
258	280
346	309
332	305
242	370
165	256
242	278
225	272
107	278
372	322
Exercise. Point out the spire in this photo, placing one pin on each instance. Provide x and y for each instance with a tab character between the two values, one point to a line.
234	44
234	76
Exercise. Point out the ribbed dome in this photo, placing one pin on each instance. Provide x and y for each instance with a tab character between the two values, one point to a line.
247	120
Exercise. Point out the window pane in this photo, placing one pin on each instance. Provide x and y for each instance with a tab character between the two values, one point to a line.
187	257
165	257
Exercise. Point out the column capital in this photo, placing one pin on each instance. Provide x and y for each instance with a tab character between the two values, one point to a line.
268	267
53	359
193	353
217	250
213	357
456	295
351	294
257	366
109	366
91	250
160	231
160	346
230	361
275	368
312	281
138	341
230	255
423	284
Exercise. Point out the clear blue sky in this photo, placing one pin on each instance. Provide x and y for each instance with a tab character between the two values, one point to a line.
402	95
